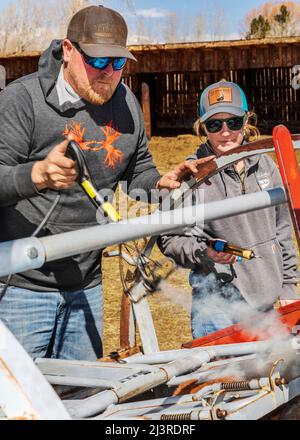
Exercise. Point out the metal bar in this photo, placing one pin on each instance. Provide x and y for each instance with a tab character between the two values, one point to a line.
21	254
144	322
214	351
264	403
211	369
144	405
25	393
97	370
81	382
98	237
96	404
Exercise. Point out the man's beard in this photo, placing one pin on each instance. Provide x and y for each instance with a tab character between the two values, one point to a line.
96	98
88	92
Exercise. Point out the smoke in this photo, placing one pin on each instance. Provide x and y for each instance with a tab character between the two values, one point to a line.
176	295
215	302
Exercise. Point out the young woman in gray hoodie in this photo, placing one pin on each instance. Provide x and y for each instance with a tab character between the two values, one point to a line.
224	290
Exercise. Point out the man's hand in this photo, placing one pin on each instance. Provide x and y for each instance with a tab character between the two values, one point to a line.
199	168
220	257
56	171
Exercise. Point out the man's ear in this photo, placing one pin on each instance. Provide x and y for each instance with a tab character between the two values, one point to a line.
67	48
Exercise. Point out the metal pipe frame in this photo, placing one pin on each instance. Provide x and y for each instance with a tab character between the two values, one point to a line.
243	348
31	253
99	402
249	405
197	357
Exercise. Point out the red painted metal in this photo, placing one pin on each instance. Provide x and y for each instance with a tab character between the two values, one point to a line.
289	171
289	316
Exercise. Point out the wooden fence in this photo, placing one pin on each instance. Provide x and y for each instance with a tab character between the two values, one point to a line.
175	96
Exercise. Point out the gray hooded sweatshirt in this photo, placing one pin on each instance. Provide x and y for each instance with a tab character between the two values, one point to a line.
33	120
268	232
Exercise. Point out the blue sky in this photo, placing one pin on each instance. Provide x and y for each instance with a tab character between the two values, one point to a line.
233	10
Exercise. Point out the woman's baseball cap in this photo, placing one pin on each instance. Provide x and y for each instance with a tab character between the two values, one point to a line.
100	32
222	97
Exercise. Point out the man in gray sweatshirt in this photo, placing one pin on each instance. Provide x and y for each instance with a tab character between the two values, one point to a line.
57	311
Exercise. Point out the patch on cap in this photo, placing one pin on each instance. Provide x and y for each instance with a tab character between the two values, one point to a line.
220	95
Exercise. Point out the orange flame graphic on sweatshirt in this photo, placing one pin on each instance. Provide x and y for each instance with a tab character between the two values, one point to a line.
113	155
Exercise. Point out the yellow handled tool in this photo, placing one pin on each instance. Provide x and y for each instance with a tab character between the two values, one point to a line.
84	180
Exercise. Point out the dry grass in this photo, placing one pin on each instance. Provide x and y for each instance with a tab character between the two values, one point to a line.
171	306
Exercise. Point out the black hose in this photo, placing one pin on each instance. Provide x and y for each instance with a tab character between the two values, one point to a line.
34	234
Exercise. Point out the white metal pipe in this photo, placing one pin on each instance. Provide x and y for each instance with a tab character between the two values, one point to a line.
99	237
99	402
25	393
19	255
211	370
240	349
160	357
89	382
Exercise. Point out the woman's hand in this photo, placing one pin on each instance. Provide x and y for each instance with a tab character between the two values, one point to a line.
220	257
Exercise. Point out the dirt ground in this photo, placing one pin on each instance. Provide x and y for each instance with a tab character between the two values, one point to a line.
171	306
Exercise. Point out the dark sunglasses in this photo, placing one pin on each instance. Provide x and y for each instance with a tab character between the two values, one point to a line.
234	123
102	62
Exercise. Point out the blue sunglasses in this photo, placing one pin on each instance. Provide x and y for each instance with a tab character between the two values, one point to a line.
101	63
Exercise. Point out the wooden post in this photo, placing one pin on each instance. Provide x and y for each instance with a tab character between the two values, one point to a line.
146	108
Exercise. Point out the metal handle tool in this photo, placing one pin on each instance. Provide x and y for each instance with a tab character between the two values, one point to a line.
223	246
84	180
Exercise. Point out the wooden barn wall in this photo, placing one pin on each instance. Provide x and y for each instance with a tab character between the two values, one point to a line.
16	67
175	96
177	76
213	57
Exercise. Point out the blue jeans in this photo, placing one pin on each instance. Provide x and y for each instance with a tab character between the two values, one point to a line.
64	325
214	305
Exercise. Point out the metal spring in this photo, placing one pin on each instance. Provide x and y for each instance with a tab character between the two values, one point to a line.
182	416
236	386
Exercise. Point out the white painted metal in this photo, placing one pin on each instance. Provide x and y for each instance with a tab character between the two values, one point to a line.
144	321
21	255
25	393
98	237
240	349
